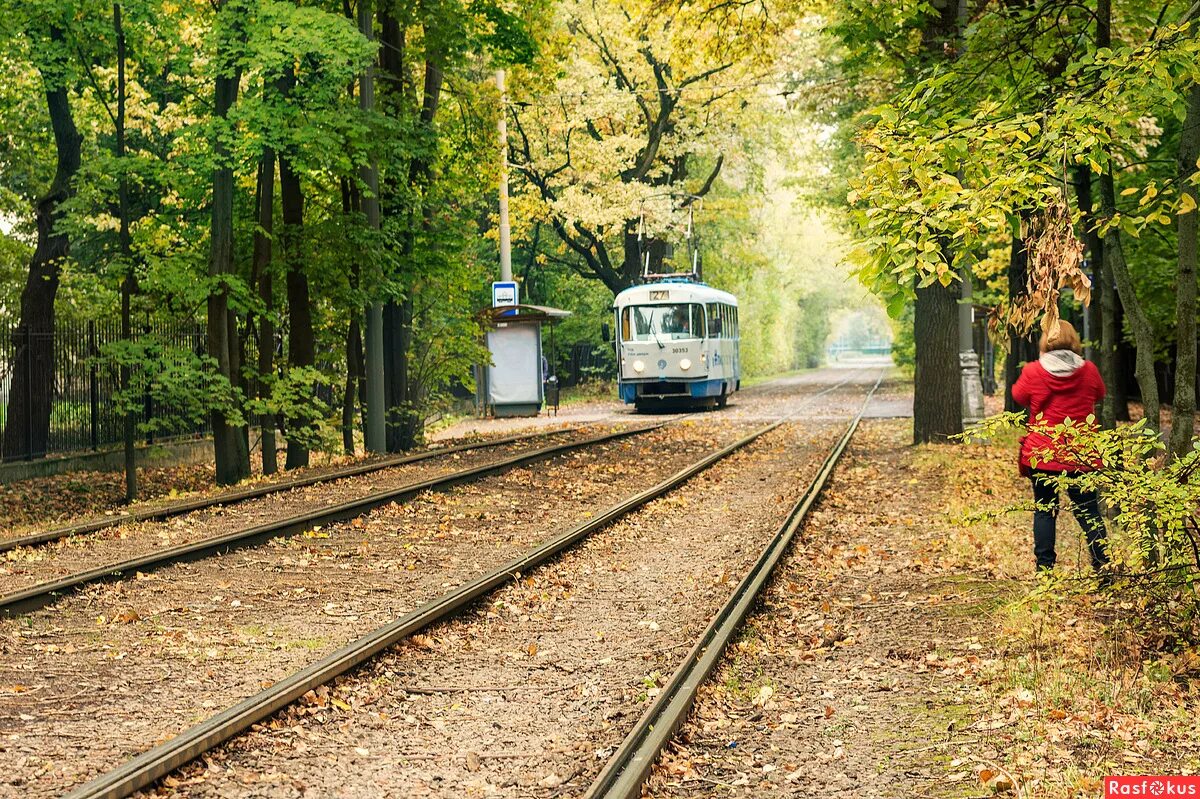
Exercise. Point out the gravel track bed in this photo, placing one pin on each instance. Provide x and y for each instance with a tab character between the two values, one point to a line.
110	671
836	689
527	695
39	503
27	566
767	401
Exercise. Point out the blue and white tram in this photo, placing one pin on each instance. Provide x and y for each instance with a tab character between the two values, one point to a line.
677	344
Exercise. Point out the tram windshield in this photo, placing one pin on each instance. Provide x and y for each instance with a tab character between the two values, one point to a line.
662	322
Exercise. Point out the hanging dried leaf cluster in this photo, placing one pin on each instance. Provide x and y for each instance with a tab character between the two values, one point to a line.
1055	263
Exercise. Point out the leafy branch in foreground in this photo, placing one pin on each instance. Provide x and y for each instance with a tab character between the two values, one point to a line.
1153	508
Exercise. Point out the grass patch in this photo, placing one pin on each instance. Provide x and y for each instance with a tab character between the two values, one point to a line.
589	391
1065	688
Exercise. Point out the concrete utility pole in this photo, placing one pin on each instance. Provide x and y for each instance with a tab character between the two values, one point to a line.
968	359
502	129
374	434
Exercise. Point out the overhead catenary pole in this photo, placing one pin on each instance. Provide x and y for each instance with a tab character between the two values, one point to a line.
968	359
374	435
502	128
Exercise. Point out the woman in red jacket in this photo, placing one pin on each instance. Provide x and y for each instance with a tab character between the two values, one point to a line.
1059	386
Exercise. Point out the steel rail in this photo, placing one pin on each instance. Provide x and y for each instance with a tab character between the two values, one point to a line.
149	766
200	503
42	594
38	596
626	771
240	495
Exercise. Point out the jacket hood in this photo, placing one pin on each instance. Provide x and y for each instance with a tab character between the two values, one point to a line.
1061	363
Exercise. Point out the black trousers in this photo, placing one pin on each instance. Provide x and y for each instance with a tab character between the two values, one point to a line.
1086	505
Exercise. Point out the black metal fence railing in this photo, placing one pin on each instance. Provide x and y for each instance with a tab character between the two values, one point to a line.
585	362
84	412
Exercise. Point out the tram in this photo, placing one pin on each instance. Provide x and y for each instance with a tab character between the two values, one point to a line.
677	344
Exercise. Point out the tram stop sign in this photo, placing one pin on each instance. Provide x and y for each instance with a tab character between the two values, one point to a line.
504	293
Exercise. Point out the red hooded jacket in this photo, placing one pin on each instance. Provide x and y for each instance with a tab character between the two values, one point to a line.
1056	397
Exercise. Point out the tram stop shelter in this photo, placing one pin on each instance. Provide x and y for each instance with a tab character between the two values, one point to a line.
515	383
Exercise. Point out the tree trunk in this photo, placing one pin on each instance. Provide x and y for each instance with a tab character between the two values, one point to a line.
125	242
351	204
1098	315
1115	407
353	377
266	295
409	430
937	381
372	389
229	443
1184	411
937	395
27	431
1143	332
1020	348
395	373
404	417
1110	352
301	345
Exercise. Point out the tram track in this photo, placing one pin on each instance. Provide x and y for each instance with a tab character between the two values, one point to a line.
173	509
153	764
158	513
42	594
629	767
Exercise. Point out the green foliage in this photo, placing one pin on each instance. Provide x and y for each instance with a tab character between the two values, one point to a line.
172	378
296	396
977	141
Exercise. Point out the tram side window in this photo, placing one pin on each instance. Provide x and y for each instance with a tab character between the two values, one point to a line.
737	330
697	320
626	333
714	320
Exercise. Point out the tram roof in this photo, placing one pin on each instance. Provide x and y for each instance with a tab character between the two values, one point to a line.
676	291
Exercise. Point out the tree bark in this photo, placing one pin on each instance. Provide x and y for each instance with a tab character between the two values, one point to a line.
937	381
266	295
1139	323
1020	348
125	243
1099	317
1110	353
27	430
353	378
937	396
301	344
351	204
1183	413
403	395
229	443
1115	407
372	389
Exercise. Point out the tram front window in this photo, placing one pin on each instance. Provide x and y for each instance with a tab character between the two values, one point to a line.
663	322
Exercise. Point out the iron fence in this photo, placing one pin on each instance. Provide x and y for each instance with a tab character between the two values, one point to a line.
84	413
586	361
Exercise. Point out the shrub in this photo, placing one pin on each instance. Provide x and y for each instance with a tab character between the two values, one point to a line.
1152	504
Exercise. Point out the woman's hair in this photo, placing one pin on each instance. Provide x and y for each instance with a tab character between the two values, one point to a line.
1061	336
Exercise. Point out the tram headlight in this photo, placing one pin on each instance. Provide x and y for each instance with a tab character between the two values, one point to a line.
685	364
639	366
